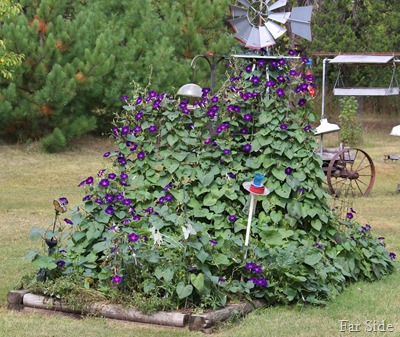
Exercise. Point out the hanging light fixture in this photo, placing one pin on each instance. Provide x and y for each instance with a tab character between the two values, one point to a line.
192	92
326	127
395	131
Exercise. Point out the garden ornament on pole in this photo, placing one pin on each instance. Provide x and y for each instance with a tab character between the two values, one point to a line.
255	188
60	206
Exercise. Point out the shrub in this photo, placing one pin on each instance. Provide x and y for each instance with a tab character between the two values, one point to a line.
165	219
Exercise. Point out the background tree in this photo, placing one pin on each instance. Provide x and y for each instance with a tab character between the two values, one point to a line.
81	57
8	59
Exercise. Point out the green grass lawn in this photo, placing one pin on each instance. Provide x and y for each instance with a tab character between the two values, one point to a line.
30	180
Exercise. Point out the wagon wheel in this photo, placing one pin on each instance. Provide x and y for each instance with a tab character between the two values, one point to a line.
351	172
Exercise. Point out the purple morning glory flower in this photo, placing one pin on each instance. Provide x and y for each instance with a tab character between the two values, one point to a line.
123	176
149	210
261	282
213	242
255	80
302	102
307	128
107	154
152	128
236	108
141	155
139	100
392	255
68	221
112	176
104	183
119	196
349	215
169	197
318	245
244	131
109	197
281	79
231	175
133	237
248	68
139	115
127	202
250	266
270	83
116	279
292	52
136	217
89	180
124	130
227	151
283	126
247	147
280	92
137	129
232	218
98	201
293	73
288	170
109	210
211	113
168	186
124	98
60	263
257	269
247	117
214	99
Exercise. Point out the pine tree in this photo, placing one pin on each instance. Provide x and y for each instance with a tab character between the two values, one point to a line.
62	75
8	60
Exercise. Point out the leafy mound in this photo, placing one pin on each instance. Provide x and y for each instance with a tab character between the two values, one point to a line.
167	218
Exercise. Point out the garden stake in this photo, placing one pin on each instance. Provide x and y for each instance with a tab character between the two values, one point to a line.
256	188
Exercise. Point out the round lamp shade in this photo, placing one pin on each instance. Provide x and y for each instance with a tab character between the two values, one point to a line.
326	127
190	90
395	131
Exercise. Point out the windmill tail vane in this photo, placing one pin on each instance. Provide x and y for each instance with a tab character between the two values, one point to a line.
257	24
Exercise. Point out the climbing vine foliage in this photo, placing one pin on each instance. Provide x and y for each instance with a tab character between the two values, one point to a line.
166	218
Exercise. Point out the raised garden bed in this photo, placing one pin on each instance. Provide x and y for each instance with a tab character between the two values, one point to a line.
22	300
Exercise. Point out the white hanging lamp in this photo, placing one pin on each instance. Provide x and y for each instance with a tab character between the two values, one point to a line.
192	92
395	131
326	127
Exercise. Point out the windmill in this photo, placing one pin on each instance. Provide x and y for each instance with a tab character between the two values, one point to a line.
257	24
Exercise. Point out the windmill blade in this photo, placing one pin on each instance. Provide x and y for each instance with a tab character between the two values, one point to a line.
275	29
245	3
300	21
242	28
239	24
280	17
237	11
277	4
259	37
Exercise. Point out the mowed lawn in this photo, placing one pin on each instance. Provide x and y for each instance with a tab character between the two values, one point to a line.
31	179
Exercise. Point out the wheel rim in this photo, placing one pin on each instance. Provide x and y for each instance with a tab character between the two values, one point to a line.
351	173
